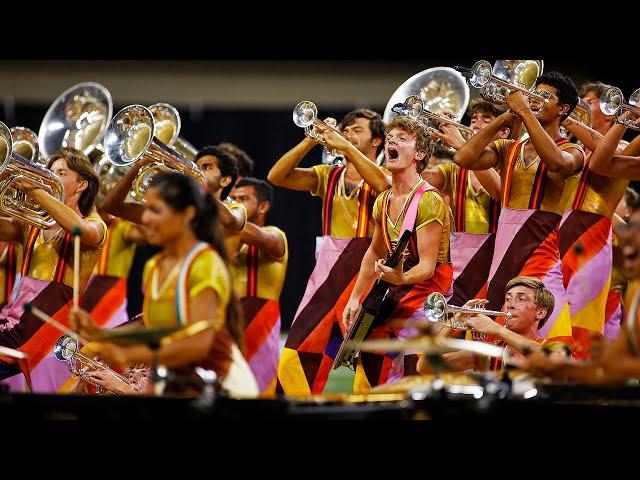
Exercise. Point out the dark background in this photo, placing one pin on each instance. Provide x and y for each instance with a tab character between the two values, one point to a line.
267	134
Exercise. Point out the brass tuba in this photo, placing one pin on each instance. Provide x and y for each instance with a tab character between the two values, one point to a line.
167	129
77	119
131	136
14	166
67	350
435	309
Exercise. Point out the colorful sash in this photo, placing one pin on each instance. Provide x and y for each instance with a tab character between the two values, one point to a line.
365	202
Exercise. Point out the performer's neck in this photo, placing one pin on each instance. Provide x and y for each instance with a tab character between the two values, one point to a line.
181	246
403	181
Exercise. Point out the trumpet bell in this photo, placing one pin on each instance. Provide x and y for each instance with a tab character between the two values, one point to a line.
439	89
634	99
305	113
76	119
480	74
611	100
6	146
522	73
435	307
129	135
65	348
167	122
25	142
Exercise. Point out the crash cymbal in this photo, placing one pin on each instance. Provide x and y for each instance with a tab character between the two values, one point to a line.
141	335
431	346
10	352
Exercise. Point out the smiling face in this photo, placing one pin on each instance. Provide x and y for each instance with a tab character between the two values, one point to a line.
163	224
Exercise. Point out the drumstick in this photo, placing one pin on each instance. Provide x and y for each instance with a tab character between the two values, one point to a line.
10	352
29	307
76	231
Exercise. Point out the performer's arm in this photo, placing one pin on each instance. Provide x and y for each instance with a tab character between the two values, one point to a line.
286	173
565	162
366	276
435	176
606	159
589	137
115	200
233	219
92	233
483	324
10	229
269	242
479	153
491	182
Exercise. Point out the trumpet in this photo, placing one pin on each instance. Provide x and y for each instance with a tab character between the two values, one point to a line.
511	75
67	350
612	103
167	129
305	115
413	107
131	137
14	167
435	309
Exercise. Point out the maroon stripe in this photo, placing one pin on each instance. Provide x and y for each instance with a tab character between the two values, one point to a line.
332	183
475	274
460	200
577	223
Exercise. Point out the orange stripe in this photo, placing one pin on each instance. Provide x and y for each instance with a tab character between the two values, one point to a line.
28	249
10	271
61	267
328	199
364	210
252	271
103	263
460	205
509	167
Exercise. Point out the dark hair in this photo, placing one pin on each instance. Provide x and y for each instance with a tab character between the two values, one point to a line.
227	165
376	124
78	162
493	109
630	196
596	87
245	162
264	191
567	90
180	191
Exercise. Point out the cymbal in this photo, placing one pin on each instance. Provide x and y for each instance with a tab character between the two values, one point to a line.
432	346
10	352
139	335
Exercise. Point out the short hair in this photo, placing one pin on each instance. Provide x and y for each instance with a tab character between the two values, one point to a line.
493	109
634	204
376	123
78	162
264	191
567	90
245	162
630	196
596	87
227	165
544	298
419	130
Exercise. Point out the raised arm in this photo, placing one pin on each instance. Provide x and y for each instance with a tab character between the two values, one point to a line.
233	219
269	241
556	160
589	137
491	182
92	233
607	159
115	201
479	153
286	173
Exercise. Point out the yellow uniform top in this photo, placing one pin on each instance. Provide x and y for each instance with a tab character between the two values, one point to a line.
432	208
46	254
476	204
117	254
208	270
232	238
344	209
529	189
4	264
268	274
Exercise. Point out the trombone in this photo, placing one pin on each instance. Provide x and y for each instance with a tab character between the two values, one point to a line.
612	103
515	75
413	107
67	350
435	309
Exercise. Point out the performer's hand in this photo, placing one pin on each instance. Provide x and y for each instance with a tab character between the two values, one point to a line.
82	323
394	276
630	116
332	138
483	324
109	380
350	312
112	354
517	102
26	187
450	136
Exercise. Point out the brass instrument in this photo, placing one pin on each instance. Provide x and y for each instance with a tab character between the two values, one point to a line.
612	103
435	309
167	129
67	350
14	167
505	77
413	107
305	115
131	137
77	119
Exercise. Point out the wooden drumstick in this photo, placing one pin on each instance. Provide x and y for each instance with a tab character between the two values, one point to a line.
29	307
76	231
